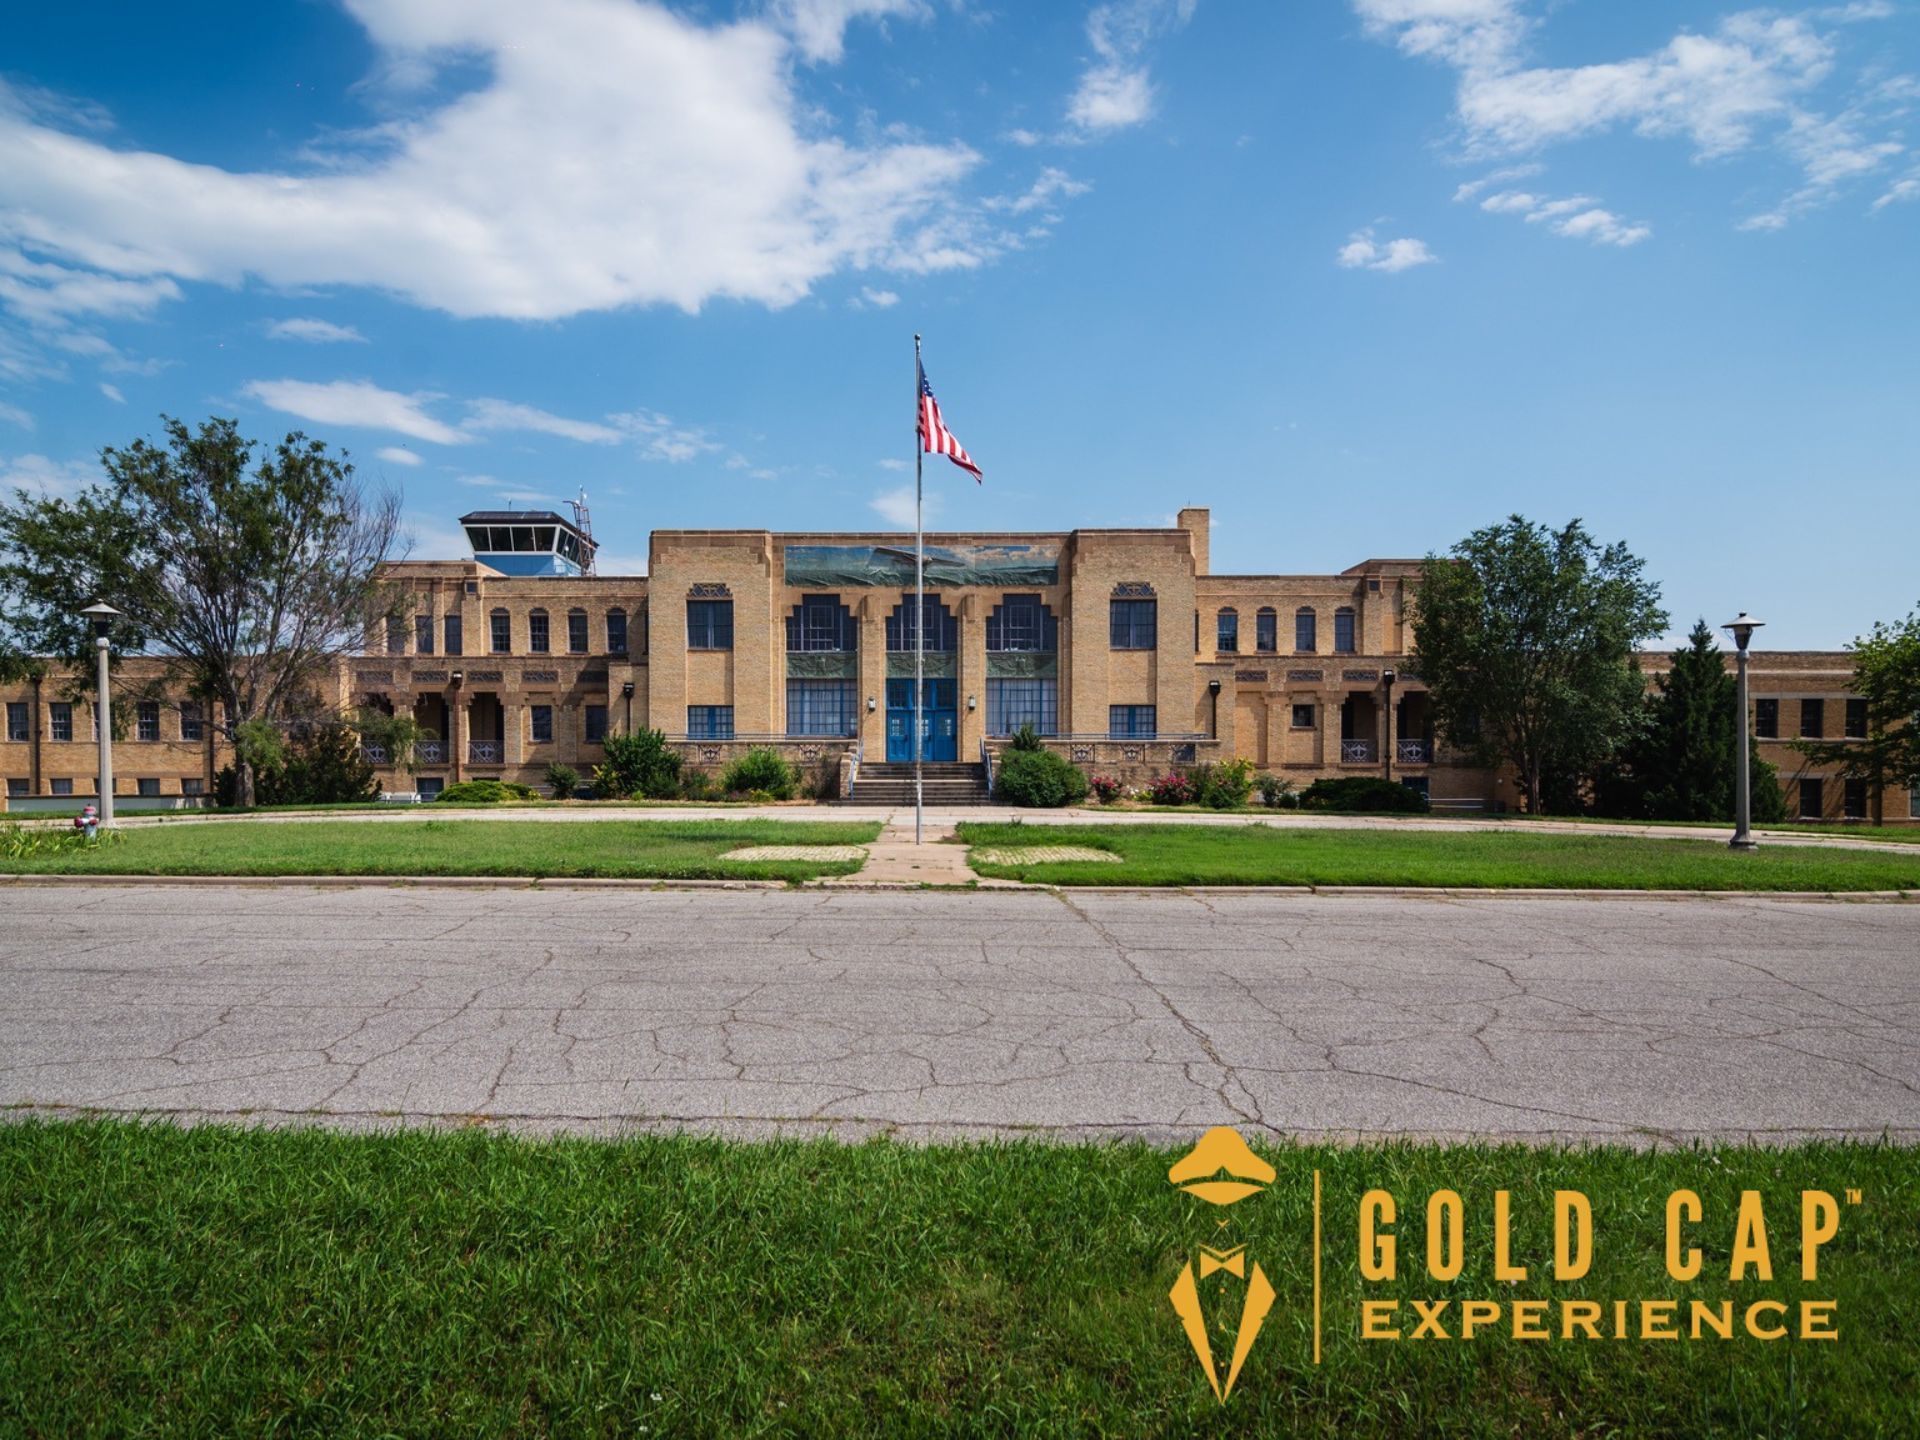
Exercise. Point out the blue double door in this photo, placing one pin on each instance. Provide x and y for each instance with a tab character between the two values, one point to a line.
939	724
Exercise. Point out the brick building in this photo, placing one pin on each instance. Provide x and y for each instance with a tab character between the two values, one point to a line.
1121	646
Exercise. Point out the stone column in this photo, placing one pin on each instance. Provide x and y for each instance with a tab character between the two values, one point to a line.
870	614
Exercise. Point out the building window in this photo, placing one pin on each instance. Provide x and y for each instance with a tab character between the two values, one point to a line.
576	632
1131	722
709	722
148	722
423	634
1022	623
1303	717
1343	643
596	724
429	786
1853	800
1013	703
1813	719
193	785
17	720
149	786
1856	720
541	718
822	707
455	640
60	787
1227	630
1811	806
1766	719
709	624
820	624
16	785
616	632
192	725
1306	630
1266	631
537	637
60	720
396	635
943	629
1913	802
502	628
1133	624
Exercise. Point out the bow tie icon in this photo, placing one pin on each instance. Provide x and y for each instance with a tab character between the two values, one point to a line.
1233	1261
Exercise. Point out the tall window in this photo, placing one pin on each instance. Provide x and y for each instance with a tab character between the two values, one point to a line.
1227	630
576	632
1913	802
1856	720
1306	637
60	720
1013	703
596	724
423	634
1766	719
1343	640
17	726
1812	801
1266	631
1022	623
396	635
709	624
453	635
820	623
709	722
1133	624
822	707
943	630
538	640
1853	800
1813	719
191	723
502	636
148	720
1131	722
540	723
616	631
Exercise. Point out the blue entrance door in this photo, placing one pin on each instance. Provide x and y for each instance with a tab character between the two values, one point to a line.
939	724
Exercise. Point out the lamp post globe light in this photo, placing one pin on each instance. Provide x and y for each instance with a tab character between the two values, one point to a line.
1741	627
102	615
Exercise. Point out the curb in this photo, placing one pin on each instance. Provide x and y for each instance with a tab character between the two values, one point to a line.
401	882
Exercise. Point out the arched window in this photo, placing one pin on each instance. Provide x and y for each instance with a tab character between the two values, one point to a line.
576	631
1227	630
538	640
616	631
1306	630
821	623
1266	630
942	628
1022	623
500	632
1343	630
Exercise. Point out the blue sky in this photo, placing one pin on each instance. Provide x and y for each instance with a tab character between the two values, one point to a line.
1361	275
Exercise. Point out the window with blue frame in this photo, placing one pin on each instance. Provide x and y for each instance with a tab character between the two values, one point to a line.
501	632
1133	624
455	641
820	623
616	631
541	718
1306	630
1021	623
596	724
1131	722
943	630
1343	635
822	707
1227	630
1013	703
1266	631
537	634
709	624
710	722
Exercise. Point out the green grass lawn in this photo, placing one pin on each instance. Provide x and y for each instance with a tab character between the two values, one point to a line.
1274	855
665	849
216	1281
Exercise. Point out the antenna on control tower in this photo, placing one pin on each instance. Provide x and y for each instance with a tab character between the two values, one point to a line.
583	522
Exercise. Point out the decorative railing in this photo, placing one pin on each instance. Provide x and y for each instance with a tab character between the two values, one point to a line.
1415	752
1356	752
375	754
483	752
430	752
986	766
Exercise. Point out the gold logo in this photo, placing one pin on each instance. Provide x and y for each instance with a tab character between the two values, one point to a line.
1222	1170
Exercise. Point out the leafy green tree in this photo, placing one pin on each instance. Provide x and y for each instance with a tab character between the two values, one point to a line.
250	574
638	765
1886	674
395	734
1526	639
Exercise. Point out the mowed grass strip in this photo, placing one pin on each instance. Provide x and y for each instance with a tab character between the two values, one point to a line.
640	849
218	1281
1275	855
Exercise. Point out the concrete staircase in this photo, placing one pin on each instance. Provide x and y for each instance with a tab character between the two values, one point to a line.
945	784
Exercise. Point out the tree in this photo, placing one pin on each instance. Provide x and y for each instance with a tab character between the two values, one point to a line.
251	578
1526	639
1886	674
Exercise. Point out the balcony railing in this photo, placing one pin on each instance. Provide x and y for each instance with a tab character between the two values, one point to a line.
430	752
483	752
1356	752
375	754
1415	752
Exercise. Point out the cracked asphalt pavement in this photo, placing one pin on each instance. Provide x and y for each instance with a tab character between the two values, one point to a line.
942	1015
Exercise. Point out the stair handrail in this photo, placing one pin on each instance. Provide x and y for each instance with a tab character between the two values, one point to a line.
986	766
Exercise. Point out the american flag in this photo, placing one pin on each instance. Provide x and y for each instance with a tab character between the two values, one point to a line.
935	438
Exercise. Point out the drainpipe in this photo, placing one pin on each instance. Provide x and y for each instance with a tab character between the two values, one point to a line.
1387	677
34	769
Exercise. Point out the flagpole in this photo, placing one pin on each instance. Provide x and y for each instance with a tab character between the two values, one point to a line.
919	588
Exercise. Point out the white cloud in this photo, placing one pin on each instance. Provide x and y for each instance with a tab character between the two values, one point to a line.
1363	252
660	439
878	299
355	403
396	455
613	155
1026	139
1116	90
1901	190
1578	217
896	506
14	415
315	332
893	464
492	415
819	27
1499	177
1050	185
112	392
42	477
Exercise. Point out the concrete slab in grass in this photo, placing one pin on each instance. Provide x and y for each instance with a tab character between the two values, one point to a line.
1043	855
798	852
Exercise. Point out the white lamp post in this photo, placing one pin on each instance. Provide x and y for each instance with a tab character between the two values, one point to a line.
102	615
1741	627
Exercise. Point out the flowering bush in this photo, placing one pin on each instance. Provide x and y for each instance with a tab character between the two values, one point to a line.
1171	790
1106	788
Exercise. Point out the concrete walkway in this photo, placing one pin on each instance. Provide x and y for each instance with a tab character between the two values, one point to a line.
895	862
